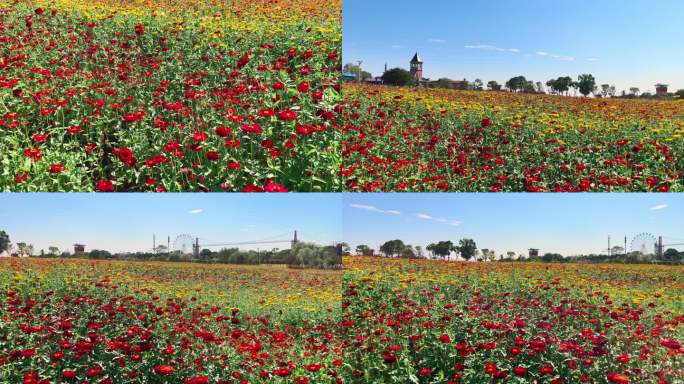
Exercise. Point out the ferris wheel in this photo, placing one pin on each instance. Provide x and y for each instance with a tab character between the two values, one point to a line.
183	244
644	243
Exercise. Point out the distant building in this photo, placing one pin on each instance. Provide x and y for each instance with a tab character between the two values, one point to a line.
374	80
661	89
79	249
416	65
533	252
349	77
417	68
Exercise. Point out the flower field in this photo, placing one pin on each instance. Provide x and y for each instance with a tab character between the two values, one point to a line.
449	322
401	139
152	95
80	321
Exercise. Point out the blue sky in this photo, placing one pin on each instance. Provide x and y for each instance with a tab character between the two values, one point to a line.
625	43
565	223
126	222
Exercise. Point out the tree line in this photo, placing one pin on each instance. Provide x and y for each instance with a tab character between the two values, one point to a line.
302	254
585	84
466	249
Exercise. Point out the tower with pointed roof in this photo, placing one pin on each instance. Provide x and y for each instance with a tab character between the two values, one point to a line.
417	68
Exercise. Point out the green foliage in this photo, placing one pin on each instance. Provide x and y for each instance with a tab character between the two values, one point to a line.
4	242
493	85
467	248
586	84
392	247
315	256
397	77
441	249
363	250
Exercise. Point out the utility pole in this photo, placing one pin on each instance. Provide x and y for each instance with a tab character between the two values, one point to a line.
359	62
154	244
168	244
610	251
625	245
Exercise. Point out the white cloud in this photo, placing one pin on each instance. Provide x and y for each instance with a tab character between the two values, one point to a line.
438	41
486	47
195	211
659	207
372	208
555	56
425	216
397	46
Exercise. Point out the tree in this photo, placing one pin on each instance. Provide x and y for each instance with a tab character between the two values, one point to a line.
634	91
605	90
612	91
346	249
467	248
392	247
552	84
586	84
355	69
419	251
407	252
539	87
4	242
54	251
529	87
98	254
560	85
680	93
442	249
493	86
24	249
205	254
510	254
477	84
363	250
397	77
517	83
552	257
161	249
671	254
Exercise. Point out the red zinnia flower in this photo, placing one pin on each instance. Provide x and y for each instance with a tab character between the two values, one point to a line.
163	370
223	131
56	168
287	115
200	136
21	177
282	372
104	186
33	153
68	374
39	137
303	87
274	187
252	128
618	378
